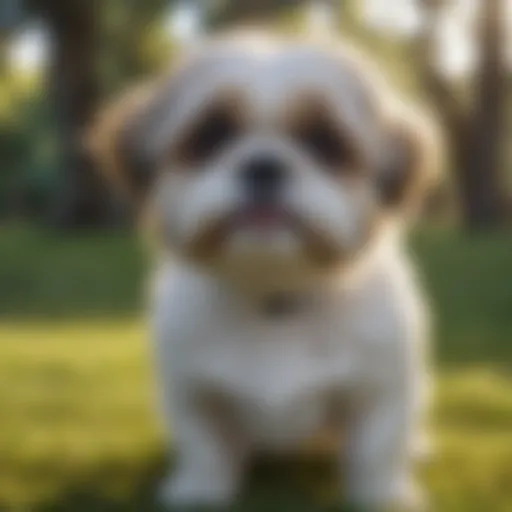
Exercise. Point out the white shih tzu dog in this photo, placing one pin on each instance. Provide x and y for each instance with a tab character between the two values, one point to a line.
280	176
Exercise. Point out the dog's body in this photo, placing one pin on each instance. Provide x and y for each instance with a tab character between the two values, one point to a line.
280	181
276	381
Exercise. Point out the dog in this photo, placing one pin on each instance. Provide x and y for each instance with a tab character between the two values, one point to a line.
279	177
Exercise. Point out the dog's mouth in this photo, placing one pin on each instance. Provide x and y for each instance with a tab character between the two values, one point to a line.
261	218
264	221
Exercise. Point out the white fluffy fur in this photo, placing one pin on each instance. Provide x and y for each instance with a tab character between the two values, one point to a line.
232	380
362	342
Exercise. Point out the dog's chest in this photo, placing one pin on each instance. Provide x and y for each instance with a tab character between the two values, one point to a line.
279	379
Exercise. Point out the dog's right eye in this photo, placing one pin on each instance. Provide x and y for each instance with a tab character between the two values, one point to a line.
208	136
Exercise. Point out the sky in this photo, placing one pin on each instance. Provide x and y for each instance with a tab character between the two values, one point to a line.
31	48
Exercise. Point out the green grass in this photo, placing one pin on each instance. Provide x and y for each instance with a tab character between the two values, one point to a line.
77	429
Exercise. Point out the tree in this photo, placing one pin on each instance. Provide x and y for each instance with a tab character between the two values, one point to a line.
80	31
76	82
134	41
474	129
81	198
229	12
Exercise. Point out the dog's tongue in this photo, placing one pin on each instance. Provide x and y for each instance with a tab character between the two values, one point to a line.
262	216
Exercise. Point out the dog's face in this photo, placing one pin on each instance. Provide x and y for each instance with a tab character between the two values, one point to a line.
267	153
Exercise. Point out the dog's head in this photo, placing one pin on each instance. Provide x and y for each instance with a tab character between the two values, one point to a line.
270	153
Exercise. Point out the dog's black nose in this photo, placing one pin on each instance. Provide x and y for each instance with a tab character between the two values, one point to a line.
263	176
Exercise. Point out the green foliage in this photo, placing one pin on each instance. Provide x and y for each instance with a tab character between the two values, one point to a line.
134	41
78	428
393	53
225	13
28	146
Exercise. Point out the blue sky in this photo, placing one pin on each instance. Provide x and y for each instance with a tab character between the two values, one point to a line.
32	46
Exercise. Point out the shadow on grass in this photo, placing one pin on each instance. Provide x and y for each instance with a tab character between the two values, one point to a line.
272	485
99	493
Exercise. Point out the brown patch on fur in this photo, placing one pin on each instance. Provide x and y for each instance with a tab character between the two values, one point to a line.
209	241
104	140
318	247
219	123
311	123
413	162
116	137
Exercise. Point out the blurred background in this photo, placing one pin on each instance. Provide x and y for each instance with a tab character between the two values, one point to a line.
77	429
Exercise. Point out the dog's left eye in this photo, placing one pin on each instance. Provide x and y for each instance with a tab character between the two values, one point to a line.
324	141
209	136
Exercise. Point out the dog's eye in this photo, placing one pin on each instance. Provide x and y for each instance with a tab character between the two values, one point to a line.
209	136
325	143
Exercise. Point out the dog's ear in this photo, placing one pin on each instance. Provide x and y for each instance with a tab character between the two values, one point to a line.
118	140
410	161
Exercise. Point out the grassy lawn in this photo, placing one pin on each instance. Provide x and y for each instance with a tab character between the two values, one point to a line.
77	431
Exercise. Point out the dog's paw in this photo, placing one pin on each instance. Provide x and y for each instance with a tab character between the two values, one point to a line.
423	449
402	495
191	491
407	497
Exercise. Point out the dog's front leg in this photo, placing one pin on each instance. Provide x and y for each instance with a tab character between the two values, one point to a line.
379	454
209	457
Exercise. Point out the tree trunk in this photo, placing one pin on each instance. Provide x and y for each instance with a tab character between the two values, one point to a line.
82	199
485	205
474	133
